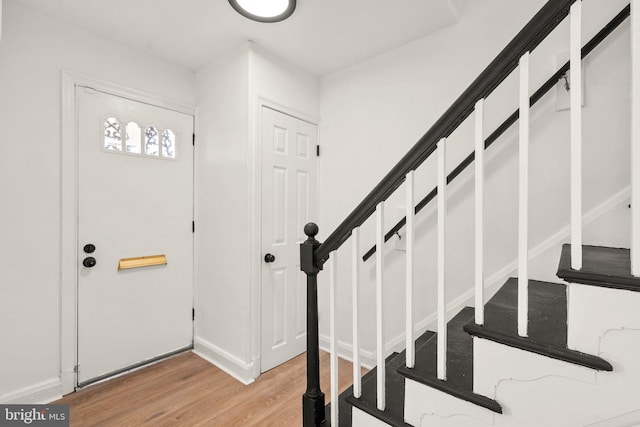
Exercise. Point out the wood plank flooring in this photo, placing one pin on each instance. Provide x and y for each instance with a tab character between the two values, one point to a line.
186	390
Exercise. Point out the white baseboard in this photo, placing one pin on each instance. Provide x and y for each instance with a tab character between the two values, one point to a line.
44	392
243	372
630	419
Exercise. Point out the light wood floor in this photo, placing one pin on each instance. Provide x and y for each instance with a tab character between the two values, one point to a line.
188	391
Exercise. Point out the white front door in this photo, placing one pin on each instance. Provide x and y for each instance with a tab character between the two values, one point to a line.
289	201
135	199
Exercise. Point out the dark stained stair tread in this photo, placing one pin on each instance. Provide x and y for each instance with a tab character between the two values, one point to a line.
601	266
459	381
547	323
394	399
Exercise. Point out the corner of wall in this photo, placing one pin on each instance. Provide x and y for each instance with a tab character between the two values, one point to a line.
243	372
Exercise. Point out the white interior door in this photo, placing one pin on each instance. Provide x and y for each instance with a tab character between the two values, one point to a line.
289	201
135	199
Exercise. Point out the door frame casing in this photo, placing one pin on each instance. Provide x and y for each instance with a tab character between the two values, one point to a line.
256	216
69	206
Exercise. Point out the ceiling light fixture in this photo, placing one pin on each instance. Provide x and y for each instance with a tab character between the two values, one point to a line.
264	10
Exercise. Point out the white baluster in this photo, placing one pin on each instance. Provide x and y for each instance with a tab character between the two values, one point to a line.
442	300
575	98
355	281
523	204
410	206
635	137
379	318
334	338
479	220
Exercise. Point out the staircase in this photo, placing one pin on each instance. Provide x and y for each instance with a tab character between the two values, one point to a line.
562	353
491	361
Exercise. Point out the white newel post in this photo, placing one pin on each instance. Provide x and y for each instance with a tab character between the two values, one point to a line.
441	264
479	208
410	203
380	368
523	200
575	96
635	137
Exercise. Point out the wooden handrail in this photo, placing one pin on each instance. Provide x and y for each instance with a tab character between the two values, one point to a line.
536	30
546	87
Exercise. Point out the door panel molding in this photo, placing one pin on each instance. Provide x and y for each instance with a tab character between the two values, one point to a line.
291	162
254	261
69	206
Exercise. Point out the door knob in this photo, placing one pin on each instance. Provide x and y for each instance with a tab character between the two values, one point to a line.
89	262
269	258
89	248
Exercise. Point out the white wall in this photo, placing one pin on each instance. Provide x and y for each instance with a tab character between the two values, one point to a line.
374	112
34	51
230	91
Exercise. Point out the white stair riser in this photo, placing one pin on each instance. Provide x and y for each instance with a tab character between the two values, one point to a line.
425	405
593	310
561	397
362	419
494	362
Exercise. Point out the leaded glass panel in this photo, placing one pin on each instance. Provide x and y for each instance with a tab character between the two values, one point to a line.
168	144
134	138
151	141
112	135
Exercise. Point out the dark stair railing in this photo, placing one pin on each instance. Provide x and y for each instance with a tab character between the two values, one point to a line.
314	254
513	118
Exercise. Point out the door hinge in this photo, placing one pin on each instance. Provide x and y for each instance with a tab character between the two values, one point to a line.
193	314
317	151
193	226
194	139
76	369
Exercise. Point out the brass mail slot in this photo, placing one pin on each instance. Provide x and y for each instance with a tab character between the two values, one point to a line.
142	261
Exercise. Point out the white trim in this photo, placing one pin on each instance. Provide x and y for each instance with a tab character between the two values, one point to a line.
497	278
635	137
227	362
41	393
345	351
254	193
631	418
69	205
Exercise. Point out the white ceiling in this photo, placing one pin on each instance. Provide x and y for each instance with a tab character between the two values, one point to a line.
322	35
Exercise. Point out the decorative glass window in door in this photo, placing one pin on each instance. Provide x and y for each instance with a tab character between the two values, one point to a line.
134	138
112	135
151	141
147	141
168	144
